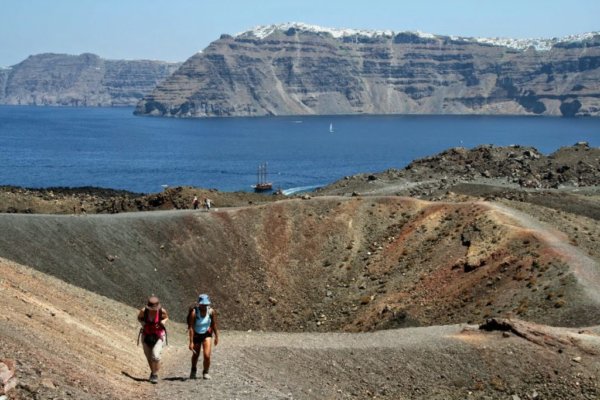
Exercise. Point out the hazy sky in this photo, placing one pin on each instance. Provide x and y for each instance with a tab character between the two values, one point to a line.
174	30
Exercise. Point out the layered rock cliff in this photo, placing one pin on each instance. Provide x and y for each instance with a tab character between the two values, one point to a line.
3	78
297	69
84	80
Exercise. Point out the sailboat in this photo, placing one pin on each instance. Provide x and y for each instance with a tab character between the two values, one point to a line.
331	127
261	179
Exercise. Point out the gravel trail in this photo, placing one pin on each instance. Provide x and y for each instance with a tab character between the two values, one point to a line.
585	269
262	365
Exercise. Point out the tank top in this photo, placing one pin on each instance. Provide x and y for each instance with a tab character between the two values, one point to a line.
151	324
202	324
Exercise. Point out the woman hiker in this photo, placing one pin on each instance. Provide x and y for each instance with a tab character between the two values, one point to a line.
202	326
153	318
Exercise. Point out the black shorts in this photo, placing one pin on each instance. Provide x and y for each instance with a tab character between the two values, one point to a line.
199	337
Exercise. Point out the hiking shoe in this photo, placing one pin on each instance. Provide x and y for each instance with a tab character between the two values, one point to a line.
205	375
153	379
193	374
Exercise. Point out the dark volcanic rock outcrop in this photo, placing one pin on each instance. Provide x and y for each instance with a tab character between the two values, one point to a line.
517	166
296	69
84	80
574	166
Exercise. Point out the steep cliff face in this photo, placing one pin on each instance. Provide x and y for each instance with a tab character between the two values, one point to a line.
84	80
296	69
3	78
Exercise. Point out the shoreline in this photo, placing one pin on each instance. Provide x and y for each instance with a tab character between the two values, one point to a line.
490	171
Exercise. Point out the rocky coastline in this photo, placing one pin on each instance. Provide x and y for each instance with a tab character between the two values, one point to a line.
513	172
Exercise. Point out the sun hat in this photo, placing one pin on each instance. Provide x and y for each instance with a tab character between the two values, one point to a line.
203	300
153	303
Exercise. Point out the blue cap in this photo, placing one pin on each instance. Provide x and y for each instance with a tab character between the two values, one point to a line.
203	300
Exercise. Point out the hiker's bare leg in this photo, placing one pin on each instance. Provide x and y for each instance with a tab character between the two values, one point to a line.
155	356
206	352
155	367
195	355
148	353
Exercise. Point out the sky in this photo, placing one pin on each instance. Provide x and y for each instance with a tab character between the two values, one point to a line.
175	30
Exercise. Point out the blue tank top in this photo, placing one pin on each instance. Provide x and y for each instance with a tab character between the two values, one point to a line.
202	324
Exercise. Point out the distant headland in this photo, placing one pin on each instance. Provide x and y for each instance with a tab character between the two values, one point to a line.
84	80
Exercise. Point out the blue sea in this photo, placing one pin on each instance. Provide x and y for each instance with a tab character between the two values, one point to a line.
112	148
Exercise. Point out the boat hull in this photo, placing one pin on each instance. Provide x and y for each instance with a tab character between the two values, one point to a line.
263	187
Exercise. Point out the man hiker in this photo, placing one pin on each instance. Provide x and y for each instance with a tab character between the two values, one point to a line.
153	333
195	202
202	326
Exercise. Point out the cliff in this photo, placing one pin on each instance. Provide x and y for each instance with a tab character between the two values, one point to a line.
297	69
4	72
83	80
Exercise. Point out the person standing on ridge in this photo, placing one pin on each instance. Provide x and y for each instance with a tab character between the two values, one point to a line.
195	203
202	326
207	203
153	333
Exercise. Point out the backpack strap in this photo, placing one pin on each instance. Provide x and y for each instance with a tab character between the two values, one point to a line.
189	321
160	313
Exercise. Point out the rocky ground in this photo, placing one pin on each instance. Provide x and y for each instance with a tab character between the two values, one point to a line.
361	263
69	343
512	168
296	279
92	200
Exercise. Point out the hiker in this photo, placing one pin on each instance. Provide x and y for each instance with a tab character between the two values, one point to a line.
207	203
195	202
202	326
153	333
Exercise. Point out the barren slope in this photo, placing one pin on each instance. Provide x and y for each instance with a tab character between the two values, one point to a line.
323	264
70	343
66	341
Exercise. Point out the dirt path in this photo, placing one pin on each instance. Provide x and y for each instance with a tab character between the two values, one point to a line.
259	365
585	269
440	362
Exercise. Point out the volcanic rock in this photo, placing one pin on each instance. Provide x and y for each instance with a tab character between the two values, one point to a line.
85	80
298	69
8	381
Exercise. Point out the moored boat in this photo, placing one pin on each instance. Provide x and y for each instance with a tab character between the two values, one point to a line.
262	185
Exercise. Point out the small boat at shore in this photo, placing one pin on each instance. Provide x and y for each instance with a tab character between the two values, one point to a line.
262	184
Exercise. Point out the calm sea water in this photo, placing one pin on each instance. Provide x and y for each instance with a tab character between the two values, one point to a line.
104	147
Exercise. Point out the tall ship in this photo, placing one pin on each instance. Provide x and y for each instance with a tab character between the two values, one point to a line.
262	184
